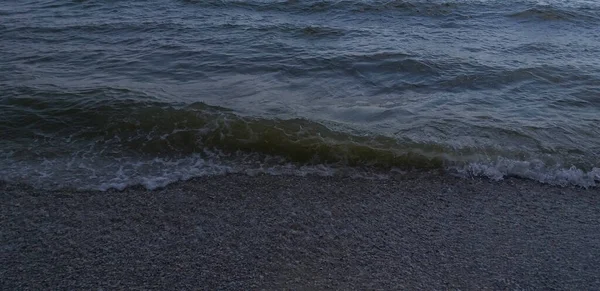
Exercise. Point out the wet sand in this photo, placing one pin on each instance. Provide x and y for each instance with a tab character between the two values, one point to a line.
236	232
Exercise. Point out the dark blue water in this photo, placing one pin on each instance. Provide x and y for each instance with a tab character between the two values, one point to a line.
101	94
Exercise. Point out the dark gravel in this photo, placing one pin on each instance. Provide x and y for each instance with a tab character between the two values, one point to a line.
417	231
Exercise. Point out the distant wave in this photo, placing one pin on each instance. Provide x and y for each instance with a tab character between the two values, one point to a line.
306	30
549	13
421	8
411	7
113	27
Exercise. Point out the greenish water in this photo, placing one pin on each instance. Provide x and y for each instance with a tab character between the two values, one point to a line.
102	95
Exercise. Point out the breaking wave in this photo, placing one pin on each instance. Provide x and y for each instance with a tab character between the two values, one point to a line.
105	144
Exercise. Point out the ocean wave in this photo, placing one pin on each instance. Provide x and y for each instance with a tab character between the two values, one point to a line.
122	126
102	28
93	172
552	13
103	143
495	78
535	170
129	121
304	30
412	7
463	9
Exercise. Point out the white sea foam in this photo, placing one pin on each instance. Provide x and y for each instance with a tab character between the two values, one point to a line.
534	170
105	174
97	173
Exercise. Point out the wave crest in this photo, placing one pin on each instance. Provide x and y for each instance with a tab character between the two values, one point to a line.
549	13
106	144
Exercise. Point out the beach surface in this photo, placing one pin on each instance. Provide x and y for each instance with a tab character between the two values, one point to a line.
239	232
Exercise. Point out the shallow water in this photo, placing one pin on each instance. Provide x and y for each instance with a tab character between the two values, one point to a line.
115	93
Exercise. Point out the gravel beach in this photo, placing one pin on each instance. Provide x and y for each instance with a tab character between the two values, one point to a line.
236	232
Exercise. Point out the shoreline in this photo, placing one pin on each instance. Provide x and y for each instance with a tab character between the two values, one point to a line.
414	231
